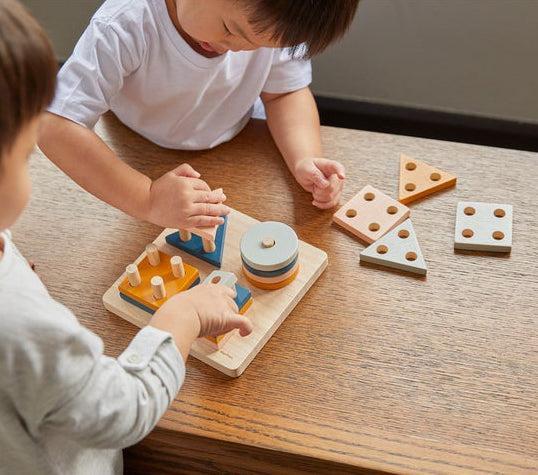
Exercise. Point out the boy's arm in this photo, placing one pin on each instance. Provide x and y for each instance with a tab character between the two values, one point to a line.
293	120
179	199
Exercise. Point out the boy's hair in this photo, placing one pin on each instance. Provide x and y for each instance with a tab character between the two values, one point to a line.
27	71
314	23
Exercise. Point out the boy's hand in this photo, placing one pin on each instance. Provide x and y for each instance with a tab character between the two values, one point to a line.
217	311
323	178
205	310
180	200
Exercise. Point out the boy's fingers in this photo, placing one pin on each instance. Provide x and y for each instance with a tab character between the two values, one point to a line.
326	205
209	209
186	170
216	196
331	167
319	179
204	221
200	185
234	320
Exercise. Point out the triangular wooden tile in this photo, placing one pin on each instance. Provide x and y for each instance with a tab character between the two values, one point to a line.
418	179
398	249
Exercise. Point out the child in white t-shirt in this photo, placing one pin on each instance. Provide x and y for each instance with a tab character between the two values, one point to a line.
65	407
186	74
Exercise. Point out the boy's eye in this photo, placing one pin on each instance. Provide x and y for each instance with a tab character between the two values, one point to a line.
228	32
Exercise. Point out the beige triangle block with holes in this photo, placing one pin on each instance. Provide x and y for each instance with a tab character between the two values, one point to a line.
418	179
398	249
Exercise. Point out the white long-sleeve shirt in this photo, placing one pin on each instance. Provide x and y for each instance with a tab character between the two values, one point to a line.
65	408
132	60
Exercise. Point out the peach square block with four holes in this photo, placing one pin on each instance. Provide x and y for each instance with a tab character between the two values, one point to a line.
370	214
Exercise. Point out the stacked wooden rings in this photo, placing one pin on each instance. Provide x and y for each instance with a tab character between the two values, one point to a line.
270	255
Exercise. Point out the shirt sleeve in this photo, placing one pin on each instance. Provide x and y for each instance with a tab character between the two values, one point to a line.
104	56
287	73
66	384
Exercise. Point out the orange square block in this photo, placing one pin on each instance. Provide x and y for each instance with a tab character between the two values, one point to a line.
370	214
143	293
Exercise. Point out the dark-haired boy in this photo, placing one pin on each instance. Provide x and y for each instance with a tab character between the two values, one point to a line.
65	407
186	74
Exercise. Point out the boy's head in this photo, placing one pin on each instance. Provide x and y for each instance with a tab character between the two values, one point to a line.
27	82
237	25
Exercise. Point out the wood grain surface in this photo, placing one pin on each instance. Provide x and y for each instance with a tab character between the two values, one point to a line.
374	369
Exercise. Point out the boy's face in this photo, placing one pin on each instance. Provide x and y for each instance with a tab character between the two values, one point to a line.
218	26
14	177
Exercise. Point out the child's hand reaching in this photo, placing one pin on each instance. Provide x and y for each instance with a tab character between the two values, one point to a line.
180	200
323	178
205	310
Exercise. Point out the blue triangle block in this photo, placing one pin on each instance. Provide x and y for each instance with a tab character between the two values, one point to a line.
195	246
242	297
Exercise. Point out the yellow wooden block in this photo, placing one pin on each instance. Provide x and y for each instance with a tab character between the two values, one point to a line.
143	293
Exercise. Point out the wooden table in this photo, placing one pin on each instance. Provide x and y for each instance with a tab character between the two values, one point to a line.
374	370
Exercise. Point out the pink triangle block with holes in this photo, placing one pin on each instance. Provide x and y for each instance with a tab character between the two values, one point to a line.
370	214
398	249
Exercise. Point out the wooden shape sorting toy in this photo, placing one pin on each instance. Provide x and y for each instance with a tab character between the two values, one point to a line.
370	214
398	249
418	179
156	282
267	313
195	244
483	227
269	246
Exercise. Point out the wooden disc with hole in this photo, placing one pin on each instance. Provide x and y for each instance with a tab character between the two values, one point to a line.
275	286
258	256
270	280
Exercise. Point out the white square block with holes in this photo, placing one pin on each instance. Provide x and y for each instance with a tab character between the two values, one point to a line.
483	227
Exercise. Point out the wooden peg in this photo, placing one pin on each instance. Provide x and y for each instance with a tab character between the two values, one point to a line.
157	286
209	246
185	235
268	242
153	254
133	275
177	267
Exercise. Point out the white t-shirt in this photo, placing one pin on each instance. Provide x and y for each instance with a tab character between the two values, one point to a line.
65	407
132	60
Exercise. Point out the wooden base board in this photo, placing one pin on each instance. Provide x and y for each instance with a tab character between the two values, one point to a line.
268	310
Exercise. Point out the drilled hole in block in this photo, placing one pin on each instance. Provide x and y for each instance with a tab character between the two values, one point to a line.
499	213
411	256
410	186
216	279
382	249
467	233
351	213
435	176
410	166
369	196
469	211
403	233
374	227
392	210
498	235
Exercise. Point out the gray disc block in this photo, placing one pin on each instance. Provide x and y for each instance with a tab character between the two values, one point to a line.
257	255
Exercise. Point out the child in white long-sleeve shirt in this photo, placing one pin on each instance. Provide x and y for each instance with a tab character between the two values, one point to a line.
65	407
